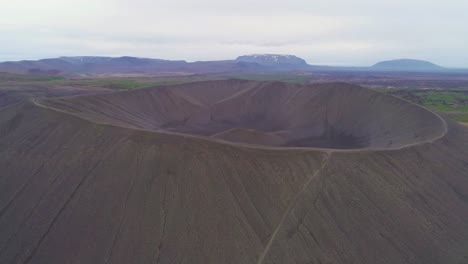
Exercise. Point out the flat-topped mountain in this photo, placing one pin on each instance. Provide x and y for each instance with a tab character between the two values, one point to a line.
407	65
273	59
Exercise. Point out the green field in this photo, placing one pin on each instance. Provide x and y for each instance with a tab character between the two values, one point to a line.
454	103
445	101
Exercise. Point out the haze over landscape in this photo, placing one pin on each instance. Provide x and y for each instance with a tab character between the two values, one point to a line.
233	132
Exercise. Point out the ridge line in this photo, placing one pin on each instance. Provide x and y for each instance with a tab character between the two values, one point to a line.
261	147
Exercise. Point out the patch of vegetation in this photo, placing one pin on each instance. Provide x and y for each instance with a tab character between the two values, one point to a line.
445	101
451	102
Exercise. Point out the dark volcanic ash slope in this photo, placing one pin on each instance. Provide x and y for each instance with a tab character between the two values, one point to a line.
335	115
75	190
13	94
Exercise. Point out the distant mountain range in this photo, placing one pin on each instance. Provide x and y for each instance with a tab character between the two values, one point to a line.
255	63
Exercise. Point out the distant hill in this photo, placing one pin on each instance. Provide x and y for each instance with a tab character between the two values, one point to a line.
92	65
274	60
103	65
407	65
126	60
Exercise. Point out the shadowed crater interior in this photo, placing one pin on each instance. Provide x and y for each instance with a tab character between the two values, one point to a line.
333	115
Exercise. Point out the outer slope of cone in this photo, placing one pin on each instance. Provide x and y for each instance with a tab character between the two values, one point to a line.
74	190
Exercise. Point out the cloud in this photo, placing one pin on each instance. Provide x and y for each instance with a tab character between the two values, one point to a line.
357	32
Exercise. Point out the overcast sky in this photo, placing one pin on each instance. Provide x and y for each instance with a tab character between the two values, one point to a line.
334	32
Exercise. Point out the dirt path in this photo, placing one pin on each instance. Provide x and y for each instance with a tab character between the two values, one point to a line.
290	207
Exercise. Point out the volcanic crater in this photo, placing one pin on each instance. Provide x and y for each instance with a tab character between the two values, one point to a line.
332	115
